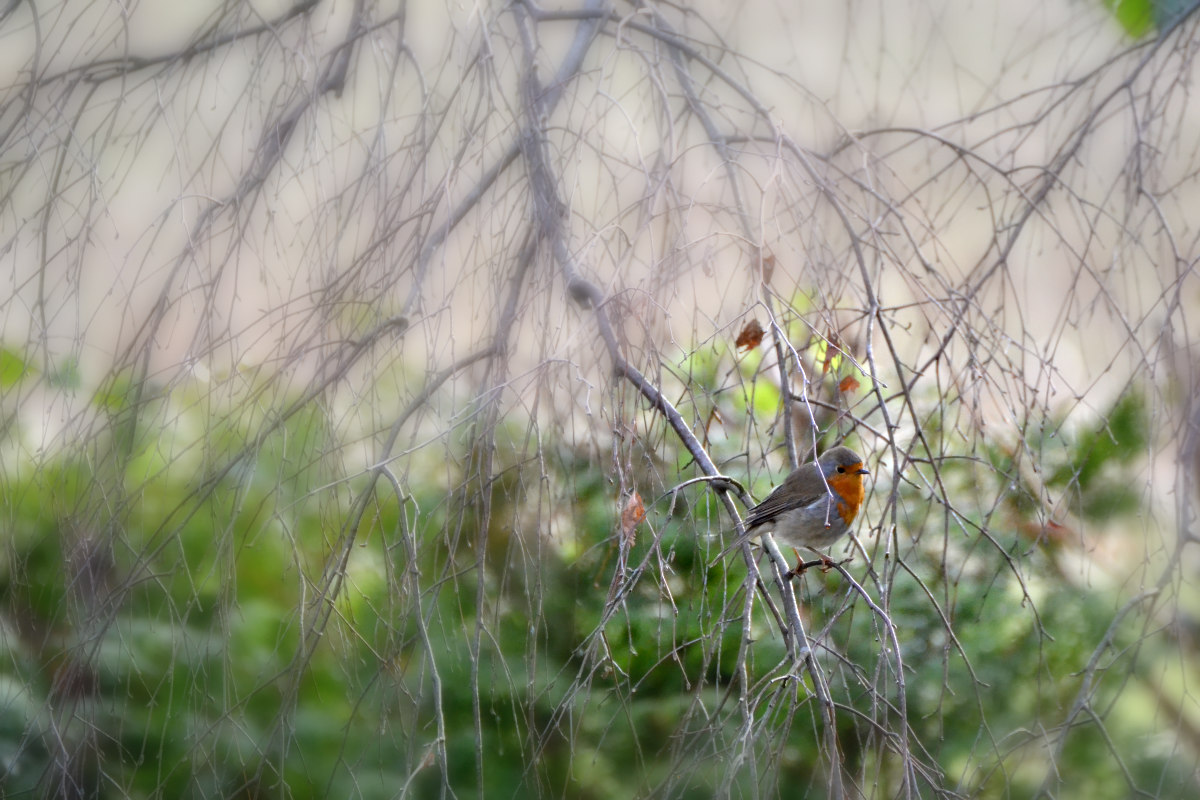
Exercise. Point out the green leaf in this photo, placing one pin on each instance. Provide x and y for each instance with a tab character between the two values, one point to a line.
13	368
1137	17
65	374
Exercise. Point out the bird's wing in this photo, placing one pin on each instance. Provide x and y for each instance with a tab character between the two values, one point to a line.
776	503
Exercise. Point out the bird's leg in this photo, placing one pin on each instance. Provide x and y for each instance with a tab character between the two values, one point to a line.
798	569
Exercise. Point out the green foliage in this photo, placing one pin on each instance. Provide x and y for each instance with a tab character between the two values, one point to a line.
176	618
1097	470
1013	669
206	539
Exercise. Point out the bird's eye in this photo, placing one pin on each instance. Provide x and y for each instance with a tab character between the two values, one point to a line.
841	469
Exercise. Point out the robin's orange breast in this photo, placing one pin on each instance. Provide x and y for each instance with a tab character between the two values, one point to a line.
848	486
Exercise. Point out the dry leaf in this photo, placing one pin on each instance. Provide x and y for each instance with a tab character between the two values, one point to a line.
849	384
768	266
633	513
750	337
833	346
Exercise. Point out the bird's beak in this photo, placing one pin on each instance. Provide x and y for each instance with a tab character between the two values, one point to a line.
863	471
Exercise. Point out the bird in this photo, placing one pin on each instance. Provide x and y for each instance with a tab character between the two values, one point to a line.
814	506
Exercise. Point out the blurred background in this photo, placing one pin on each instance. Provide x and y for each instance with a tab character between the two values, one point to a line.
381	385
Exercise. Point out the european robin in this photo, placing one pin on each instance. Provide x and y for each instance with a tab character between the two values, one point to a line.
815	505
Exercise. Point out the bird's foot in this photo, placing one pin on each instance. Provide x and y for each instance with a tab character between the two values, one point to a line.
824	562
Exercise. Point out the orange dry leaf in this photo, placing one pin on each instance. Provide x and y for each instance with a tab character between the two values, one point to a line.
633	513
848	384
750	337
832	348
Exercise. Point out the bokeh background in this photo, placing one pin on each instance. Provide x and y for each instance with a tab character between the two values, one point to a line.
381	384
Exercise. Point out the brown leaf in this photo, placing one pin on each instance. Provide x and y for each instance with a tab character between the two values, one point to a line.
833	344
768	266
849	384
750	337
633	513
